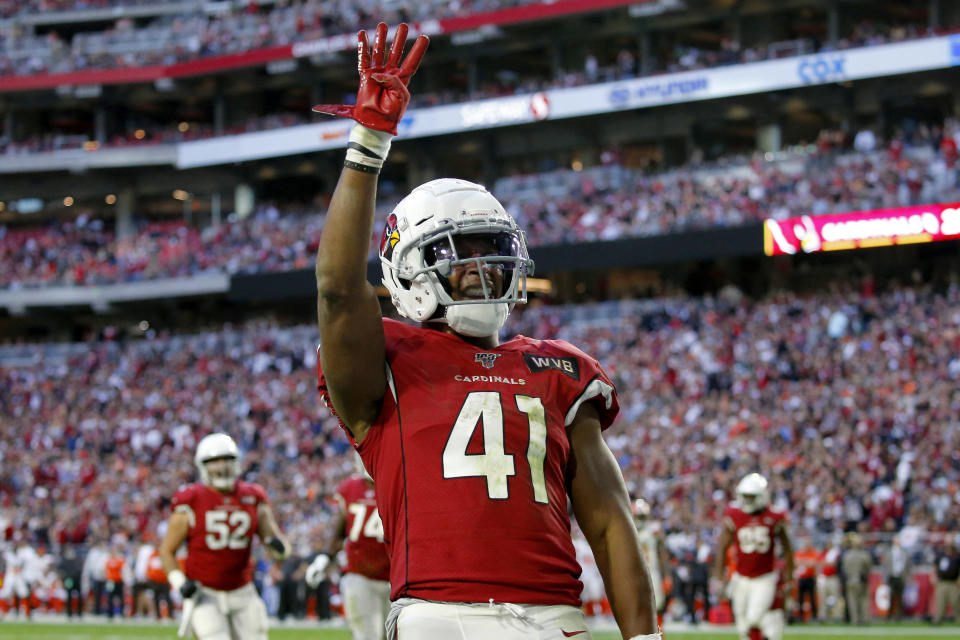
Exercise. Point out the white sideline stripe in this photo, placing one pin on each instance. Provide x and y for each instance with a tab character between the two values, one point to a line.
9	626
800	630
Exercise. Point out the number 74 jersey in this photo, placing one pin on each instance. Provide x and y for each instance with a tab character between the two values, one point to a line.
471	462
221	532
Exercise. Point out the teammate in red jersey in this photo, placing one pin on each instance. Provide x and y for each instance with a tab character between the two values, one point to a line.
753	527
217	518
365	585
474	446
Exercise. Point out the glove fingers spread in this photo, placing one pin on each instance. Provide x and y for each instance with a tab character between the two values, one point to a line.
380	45
363	52
396	50
344	110
412	63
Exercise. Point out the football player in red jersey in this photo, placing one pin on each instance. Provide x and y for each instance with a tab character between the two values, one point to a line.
217	518
753	527
474	446
364	585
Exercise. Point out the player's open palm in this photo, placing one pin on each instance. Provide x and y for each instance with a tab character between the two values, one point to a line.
382	96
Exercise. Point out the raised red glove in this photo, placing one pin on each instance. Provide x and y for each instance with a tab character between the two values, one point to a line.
383	95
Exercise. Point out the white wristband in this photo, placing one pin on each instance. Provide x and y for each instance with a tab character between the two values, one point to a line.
176	578
647	636
367	148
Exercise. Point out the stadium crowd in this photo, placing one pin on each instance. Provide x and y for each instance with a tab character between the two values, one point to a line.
606	202
846	399
592	68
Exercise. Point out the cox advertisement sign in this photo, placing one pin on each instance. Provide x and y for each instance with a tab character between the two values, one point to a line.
862	229
820	69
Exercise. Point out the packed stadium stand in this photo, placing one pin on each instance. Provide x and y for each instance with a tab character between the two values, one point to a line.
165	184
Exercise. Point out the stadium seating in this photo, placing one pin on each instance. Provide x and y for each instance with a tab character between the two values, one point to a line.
600	203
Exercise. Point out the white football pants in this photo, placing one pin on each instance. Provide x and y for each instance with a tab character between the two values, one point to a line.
230	615
751	599
422	620
365	606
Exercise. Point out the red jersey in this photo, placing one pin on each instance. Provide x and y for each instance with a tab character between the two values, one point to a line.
754	535
366	553
471	459
221	532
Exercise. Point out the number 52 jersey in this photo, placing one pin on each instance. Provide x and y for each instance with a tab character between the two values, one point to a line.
471	463
221	532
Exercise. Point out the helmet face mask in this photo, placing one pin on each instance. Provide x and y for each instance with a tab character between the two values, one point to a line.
435	231
218	461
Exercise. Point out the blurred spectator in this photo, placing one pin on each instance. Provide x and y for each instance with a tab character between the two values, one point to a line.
828	583
293	596
95	573
70	568
947	589
807	557
118	575
897	571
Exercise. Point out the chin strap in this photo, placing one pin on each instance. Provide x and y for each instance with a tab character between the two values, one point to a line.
477	320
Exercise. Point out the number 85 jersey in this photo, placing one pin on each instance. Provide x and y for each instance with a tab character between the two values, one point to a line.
221	532
471	463
754	535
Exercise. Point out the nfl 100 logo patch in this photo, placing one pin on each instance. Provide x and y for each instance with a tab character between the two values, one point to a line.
486	359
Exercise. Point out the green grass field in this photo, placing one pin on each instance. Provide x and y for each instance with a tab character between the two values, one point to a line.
10	630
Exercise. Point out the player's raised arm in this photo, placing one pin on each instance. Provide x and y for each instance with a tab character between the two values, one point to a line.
351	329
602	508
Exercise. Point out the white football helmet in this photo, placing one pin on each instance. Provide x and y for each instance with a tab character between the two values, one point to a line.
418	252
641	509
218	446
752	492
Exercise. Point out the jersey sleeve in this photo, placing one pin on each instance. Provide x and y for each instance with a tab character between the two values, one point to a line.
340	494
182	502
588	383
325	399
260	493
729	518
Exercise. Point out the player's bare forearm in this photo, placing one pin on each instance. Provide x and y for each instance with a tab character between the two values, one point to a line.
177	529
339	535
602	508
269	531
787	547
345	241
722	545
627	579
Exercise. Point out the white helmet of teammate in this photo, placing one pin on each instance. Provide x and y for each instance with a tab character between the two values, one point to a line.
641	509
418	251
752	492
218	461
